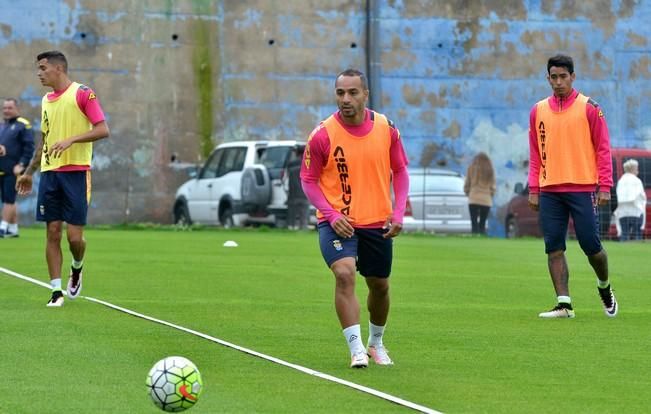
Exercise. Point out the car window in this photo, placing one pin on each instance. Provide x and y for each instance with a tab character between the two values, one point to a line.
275	159
232	160
210	168
644	167
435	183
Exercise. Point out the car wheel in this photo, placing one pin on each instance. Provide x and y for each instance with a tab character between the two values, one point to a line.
226	218
511	228
182	215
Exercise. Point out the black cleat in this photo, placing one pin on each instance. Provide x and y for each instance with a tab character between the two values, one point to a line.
56	301
608	299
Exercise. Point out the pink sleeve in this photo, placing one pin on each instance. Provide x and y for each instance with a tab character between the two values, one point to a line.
401	190
601	142
534	154
317	198
314	159
399	164
89	105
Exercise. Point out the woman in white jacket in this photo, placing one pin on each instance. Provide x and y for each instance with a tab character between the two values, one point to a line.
631	204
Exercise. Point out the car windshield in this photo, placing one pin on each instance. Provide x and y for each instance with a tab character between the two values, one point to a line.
435	183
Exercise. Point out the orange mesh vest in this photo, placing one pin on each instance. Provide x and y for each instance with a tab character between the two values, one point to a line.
565	145
356	180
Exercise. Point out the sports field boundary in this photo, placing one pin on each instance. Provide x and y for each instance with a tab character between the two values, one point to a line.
309	371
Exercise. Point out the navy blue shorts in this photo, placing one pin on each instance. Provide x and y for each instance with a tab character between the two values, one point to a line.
63	196
555	212
373	253
8	188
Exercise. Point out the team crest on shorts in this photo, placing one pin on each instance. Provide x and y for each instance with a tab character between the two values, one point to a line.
337	245
41	209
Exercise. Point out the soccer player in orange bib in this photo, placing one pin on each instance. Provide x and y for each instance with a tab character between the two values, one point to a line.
350	163
569	161
71	119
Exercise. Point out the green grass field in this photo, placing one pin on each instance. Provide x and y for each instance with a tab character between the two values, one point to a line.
463	329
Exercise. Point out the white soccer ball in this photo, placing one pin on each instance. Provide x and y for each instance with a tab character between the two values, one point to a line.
174	384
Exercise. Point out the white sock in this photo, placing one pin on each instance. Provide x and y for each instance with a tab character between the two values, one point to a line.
77	264
3	225
375	334
603	284
564	299
55	283
353	335
13	228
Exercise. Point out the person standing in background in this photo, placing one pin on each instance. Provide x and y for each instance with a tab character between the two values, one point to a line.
480	189
16	150
631	203
297	203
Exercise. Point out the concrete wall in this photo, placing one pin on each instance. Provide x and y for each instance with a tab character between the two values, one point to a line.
458	76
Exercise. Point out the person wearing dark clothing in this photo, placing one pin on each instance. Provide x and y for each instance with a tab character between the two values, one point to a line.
16	150
297	203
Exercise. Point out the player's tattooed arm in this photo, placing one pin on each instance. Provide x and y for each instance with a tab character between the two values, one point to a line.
36	160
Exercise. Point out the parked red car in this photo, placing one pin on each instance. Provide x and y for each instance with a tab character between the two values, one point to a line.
521	221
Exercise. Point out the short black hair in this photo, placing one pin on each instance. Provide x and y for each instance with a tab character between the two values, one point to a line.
561	61
54	57
354	72
14	100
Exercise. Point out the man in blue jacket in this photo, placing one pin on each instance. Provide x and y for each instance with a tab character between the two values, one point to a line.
16	150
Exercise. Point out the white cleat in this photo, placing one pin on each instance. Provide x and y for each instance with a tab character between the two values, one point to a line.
359	360
379	354
558	312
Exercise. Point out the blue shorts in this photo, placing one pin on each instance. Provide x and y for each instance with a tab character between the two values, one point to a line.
63	196
555	212
373	253
8	188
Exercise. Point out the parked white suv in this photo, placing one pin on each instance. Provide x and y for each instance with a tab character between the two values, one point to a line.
240	183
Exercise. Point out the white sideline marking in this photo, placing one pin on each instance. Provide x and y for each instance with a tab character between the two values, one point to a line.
303	369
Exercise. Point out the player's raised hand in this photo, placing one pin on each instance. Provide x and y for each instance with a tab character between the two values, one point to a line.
57	149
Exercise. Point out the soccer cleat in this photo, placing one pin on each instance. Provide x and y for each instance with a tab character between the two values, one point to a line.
74	285
559	311
359	360
608	299
56	301
379	354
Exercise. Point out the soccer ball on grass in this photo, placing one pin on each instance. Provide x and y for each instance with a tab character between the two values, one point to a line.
174	384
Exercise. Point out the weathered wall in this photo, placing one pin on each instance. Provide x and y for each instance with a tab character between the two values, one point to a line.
458	76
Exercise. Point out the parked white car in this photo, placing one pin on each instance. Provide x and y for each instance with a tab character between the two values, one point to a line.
436	202
240	183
